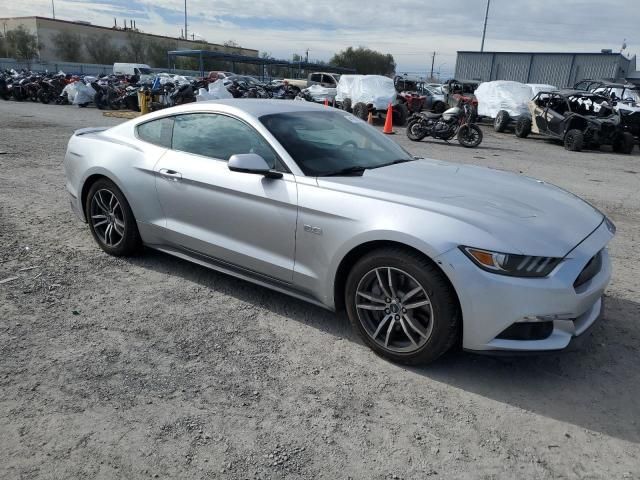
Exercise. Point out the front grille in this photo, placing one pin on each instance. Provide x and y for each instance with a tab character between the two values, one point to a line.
590	270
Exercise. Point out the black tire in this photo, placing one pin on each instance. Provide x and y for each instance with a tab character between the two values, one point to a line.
43	96
624	143
444	319
414	132
501	121
129	242
523	127
361	111
401	113
574	140
439	107
470	135
346	105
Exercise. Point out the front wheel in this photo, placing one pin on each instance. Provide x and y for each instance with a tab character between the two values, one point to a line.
402	306
523	127
415	131
470	135
111	220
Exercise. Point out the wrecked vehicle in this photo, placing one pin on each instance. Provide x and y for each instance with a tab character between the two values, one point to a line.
364	94
505	101
408	92
459	92
579	119
624	97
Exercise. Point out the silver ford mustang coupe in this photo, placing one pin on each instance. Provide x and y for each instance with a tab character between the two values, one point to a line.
311	201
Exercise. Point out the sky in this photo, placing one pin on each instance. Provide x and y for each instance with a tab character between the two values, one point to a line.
411	30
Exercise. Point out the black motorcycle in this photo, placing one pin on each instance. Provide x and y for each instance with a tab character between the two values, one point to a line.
445	126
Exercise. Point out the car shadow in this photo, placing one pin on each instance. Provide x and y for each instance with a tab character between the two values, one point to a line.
596	386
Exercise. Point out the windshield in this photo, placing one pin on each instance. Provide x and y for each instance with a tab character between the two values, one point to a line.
326	142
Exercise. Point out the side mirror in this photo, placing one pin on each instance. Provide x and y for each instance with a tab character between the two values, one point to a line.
251	163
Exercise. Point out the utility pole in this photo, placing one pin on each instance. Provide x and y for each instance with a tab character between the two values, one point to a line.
307	57
484	29
186	36
433	59
53	9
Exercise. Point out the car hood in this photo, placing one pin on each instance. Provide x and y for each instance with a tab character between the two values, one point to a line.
534	217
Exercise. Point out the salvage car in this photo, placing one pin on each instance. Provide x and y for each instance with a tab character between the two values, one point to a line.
364	94
579	119
315	203
459	92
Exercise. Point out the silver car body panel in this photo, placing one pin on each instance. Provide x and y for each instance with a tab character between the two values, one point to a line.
292	233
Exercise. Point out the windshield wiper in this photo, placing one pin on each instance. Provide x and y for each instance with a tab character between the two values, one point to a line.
354	170
395	162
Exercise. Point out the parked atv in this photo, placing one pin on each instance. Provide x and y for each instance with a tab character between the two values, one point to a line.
577	118
408	93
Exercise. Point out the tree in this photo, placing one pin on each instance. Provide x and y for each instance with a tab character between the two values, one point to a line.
157	53
365	61
231	44
23	43
101	50
136	47
68	46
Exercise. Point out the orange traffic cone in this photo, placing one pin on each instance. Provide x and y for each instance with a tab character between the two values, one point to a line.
388	122
370	118
326	102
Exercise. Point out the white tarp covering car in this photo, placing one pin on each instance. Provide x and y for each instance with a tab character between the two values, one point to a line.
536	88
506	95
373	90
318	93
216	91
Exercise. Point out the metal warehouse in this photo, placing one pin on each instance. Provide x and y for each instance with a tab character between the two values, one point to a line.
560	69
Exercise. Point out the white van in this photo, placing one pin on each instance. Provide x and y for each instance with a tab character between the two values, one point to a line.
139	69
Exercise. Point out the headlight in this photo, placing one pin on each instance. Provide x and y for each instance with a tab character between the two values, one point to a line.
510	264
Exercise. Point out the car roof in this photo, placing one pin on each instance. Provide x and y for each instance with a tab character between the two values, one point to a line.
254	107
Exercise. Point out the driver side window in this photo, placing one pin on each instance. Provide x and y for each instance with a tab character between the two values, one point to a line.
218	136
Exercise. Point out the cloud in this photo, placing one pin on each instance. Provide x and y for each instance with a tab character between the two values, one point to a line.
409	29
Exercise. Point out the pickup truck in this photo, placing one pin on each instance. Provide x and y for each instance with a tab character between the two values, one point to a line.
329	80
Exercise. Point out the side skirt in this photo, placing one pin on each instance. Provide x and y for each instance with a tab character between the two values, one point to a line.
239	272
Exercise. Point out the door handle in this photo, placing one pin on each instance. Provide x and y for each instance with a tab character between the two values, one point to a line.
170	174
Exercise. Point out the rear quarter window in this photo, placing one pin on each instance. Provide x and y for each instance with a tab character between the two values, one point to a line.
158	132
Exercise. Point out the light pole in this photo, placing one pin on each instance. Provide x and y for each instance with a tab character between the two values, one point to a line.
484	29
53	9
186	37
440	70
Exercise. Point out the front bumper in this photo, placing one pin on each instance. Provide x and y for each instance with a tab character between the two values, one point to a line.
491	303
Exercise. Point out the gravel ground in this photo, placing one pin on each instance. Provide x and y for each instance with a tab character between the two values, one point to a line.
152	367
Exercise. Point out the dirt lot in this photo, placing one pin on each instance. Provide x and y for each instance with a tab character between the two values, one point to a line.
156	368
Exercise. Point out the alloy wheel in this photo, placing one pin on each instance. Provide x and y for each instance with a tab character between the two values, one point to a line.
107	217
394	309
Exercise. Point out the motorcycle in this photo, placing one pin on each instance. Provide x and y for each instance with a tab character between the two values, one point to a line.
445	126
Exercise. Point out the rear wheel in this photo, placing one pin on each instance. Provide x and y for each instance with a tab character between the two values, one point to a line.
402	306
111	220
624	143
415	132
523	127
470	135
361	110
501	121
573	140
